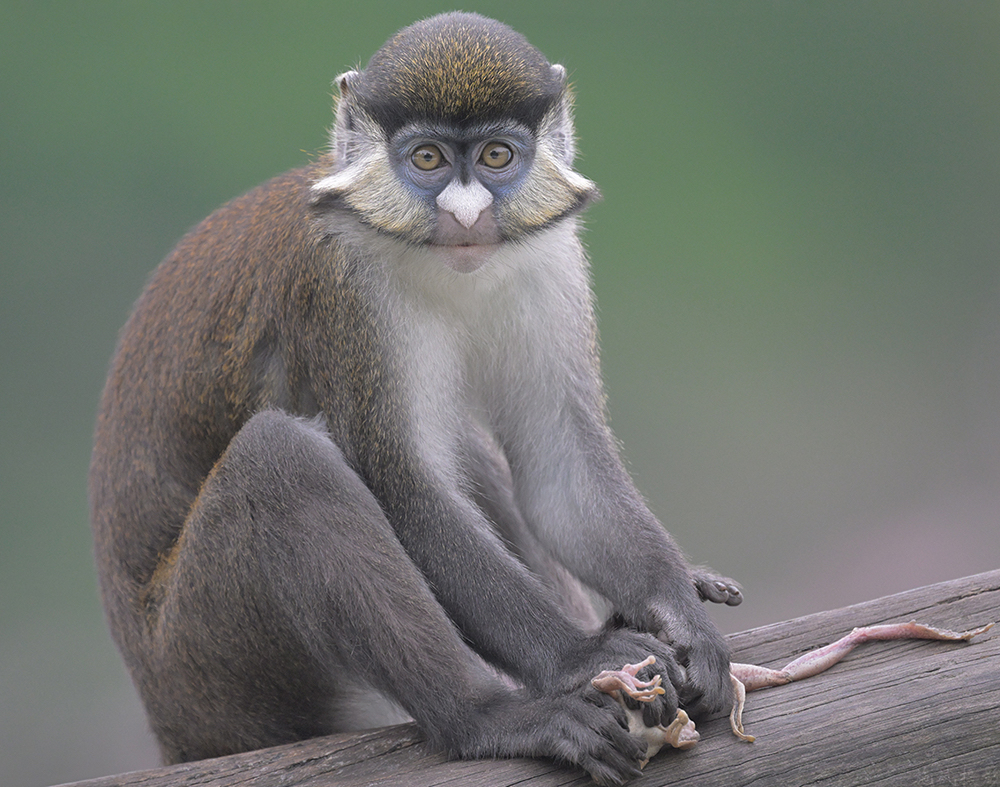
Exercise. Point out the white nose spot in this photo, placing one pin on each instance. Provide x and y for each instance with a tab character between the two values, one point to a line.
465	201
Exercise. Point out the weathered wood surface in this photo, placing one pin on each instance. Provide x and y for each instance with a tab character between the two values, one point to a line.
891	714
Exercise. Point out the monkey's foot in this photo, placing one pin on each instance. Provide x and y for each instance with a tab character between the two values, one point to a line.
680	733
748	677
715	588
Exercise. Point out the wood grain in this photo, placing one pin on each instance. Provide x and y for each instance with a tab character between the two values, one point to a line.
892	714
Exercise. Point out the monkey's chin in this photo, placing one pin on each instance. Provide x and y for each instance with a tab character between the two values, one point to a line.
466	259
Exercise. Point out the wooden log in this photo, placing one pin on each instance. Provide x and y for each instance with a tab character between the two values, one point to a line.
895	714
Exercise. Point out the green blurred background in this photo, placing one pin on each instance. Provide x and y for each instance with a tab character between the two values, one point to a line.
795	260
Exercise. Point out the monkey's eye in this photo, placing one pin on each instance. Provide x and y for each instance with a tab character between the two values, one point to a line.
496	155
427	157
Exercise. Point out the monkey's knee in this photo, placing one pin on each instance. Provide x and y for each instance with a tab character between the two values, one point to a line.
283	455
277	432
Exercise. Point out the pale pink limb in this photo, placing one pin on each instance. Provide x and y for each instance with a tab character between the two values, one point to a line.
736	714
681	732
625	680
749	677
816	661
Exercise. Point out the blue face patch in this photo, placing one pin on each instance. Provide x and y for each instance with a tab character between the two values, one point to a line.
428	159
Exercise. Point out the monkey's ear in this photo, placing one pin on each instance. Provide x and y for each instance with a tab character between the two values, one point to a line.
558	73
344	121
344	82
345	99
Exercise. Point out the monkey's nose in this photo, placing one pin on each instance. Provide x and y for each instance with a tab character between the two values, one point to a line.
465	201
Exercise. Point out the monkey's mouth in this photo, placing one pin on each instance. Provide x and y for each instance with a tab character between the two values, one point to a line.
468	244
465	257
449	232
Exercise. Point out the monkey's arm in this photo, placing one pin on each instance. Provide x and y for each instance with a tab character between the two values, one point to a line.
547	409
581	503
502	609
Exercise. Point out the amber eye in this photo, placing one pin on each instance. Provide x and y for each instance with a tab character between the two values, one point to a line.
496	155
427	157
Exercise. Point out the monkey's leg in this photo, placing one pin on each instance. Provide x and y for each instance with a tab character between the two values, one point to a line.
287	584
263	611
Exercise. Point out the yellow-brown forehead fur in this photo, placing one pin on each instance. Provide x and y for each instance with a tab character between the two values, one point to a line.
458	68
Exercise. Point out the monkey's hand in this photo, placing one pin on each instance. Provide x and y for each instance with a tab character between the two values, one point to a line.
704	687
680	733
585	728
653	664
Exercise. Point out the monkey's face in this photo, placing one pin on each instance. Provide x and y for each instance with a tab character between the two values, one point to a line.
458	139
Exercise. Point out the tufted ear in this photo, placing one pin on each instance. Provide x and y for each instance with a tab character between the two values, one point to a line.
343	142
344	121
558	124
345	81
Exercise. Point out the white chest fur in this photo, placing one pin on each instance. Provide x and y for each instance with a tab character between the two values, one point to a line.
482	343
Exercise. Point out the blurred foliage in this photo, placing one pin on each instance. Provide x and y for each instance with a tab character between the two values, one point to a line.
795	259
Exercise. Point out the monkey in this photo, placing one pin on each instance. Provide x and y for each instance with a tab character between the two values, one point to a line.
352	463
